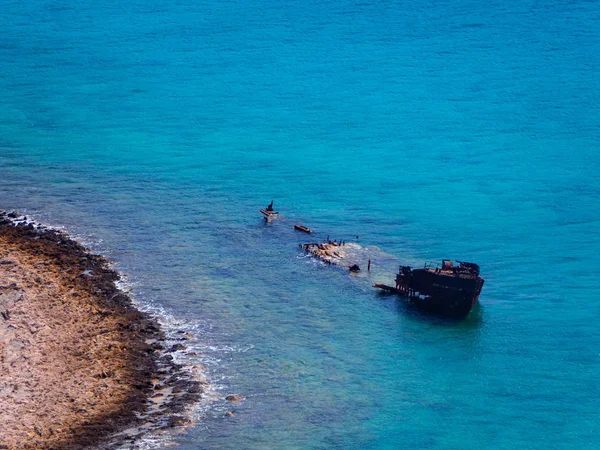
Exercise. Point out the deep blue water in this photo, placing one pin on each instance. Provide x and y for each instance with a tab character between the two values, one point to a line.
154	131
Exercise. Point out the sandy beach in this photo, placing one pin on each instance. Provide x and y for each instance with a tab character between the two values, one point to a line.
78	362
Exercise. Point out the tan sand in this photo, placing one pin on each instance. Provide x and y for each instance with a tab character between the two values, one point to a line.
77	360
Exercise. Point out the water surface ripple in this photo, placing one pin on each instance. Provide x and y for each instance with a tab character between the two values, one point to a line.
155	131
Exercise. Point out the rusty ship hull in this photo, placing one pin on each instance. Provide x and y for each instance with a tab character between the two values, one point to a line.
448	292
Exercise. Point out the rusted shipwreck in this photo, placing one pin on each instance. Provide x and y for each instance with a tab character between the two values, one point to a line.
450	290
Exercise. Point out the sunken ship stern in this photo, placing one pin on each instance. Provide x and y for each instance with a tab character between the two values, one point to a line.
450	291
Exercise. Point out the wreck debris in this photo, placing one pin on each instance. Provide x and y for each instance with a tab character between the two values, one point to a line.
302	228
328	252
269	215
269	212
354	268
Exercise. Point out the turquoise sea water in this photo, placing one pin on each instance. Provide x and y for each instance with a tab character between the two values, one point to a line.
154	131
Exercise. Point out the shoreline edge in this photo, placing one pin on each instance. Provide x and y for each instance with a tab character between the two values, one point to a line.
80	365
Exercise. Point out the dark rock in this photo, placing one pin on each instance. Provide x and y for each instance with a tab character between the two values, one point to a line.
177	347
177	421
11	286
354	268
196	389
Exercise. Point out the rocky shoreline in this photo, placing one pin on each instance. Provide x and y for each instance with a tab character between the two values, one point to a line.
80	366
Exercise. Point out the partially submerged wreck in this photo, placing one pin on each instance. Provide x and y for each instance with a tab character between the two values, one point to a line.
269	215
269	212
449	291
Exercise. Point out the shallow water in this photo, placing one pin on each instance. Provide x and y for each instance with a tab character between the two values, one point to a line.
155	132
